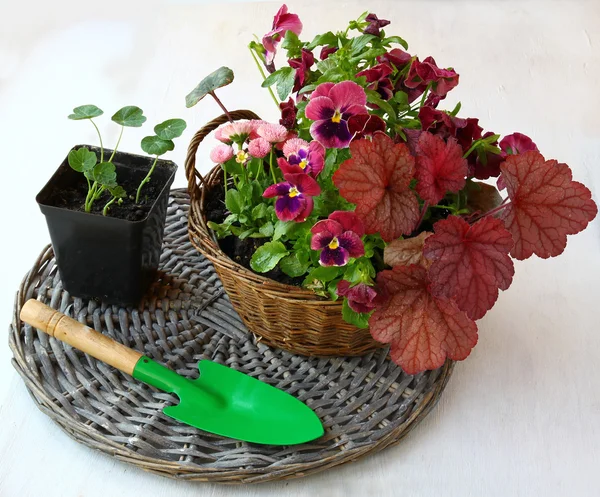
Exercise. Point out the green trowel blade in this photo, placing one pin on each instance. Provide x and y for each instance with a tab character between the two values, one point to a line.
232	404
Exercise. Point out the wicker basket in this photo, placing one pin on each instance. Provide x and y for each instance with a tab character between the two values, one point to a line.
282	315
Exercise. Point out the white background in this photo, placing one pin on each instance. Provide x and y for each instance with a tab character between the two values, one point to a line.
520	417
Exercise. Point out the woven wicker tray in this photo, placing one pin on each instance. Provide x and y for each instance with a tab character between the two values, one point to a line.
366	403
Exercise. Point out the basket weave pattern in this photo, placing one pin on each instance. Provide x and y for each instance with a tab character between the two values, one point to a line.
282	315
365	403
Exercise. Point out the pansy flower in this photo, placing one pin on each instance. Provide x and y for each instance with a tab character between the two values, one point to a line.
375	24
365	125
327	51
288	114
360	297
378	79
423	73
295	194
302	66
330	106
302	157
517	143
339	238
397	57
282	22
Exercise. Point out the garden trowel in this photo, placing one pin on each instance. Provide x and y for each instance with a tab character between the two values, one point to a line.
221	401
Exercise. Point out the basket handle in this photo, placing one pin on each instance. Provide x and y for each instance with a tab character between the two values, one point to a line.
193	176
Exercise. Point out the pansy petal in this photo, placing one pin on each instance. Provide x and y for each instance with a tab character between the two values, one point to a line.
352	110
277	190
287	168
320	108
304	183
322	90
321	240
349	221
306	211
352	243
347	93
330	134
316	157
327	225
288	208
334	257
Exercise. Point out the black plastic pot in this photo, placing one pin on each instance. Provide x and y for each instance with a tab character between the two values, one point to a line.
105	257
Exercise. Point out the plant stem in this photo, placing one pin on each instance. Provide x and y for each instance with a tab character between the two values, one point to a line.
505	203
145	180
224	180
89	199
100	138
262	73
105	210
425	95
213	95
271	167
473	147
117	145
423	212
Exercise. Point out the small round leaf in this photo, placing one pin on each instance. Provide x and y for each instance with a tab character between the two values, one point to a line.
105	174
82	159
117	191
85	112
130	115
217	79
171	128
153	145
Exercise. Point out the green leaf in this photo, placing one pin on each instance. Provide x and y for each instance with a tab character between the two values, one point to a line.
260	211
284	79
402	99
117	191
456	109
85	112
247	233
130	116
325	39
217	79
358	319
360	42
267	256
82	159
105	174
267	229
291	266
374	98
395	39
169	129
292	44
234	201
323	273
281	228
153	145
233	167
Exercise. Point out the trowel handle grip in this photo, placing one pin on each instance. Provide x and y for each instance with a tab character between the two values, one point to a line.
79	336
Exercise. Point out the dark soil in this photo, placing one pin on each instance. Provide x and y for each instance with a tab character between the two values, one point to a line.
70	190
240	251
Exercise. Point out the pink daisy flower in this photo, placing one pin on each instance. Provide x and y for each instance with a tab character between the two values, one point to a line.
273	133
259	147
221	153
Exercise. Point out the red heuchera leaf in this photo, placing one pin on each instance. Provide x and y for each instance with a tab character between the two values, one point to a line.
440	167
406	251
422	328
546	205
470	263
377	180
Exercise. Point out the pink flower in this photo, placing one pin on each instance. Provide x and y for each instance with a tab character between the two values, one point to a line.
294	202
219	136
273	133
517	143
360	297
259	147
236	131
221	153
330	106
302	157
339	238
282	22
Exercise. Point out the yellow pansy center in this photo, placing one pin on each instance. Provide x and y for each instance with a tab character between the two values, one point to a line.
337	117
241	157
333	244
293	192
303	163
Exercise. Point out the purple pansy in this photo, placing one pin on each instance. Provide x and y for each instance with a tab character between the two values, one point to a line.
302	157
295	194
360	297
330	106
339	238
282	22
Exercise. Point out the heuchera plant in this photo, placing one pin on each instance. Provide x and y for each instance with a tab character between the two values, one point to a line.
101	175
370	193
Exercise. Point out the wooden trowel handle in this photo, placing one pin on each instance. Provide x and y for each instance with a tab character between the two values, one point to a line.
80	336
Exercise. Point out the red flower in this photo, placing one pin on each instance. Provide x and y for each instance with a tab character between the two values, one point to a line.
397	57
326	52
375	24
282	22
421	74
288	114
360	297
302	66
517	143
378	79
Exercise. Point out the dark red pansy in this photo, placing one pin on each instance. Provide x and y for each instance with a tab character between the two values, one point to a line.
326	52
375	25
302	66
378	79
360	297
288	113
363	125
